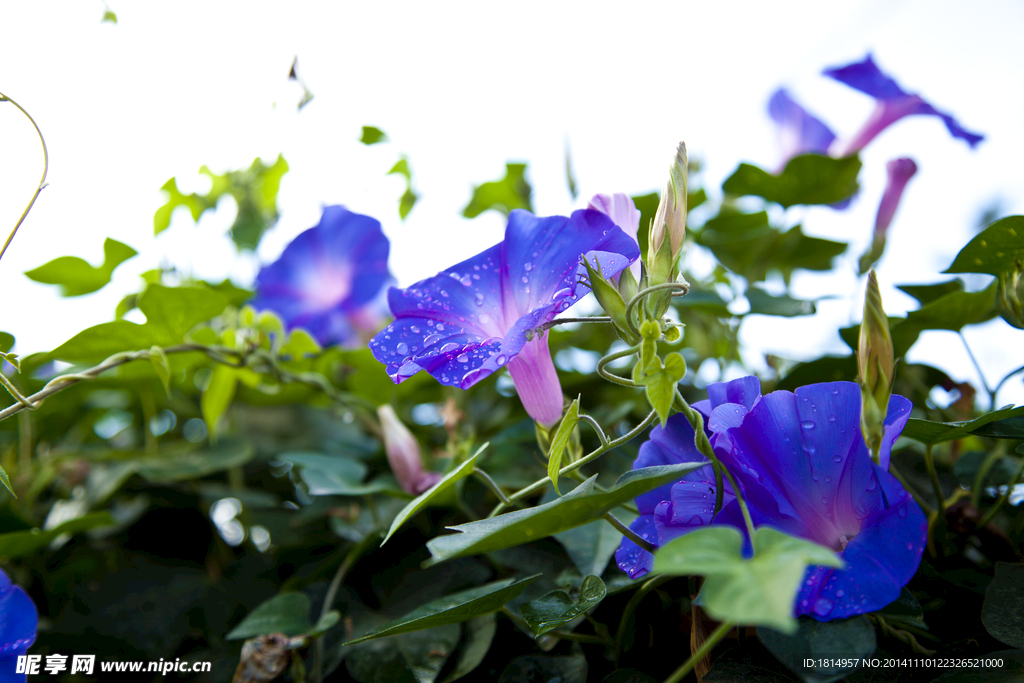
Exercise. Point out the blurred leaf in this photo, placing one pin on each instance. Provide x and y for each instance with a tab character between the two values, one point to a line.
6	481
763	303
579	506
436	491
479	634
372	135
709	300
109	16
235	296
591	546
1002	613
843	639
163	369
928	432
409	198
925	294
511	192
324	624
286	613
996	249
561	439
455	608
179	462
1007	428
217	396
6	342
761	590
570	177
557	609
170	313
20	543
954	310
807	179
254	191
76	276
647	205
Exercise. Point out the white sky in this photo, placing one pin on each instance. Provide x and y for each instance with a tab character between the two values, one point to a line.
461	88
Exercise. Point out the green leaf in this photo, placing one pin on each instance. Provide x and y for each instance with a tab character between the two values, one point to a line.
758	591
591	546
996	249
21	543
455	608
170	313
511	192
579	506
928	432
561	439
1002	613
479	634
6	481
557	609
286	613
217	396
6	342
925	294
434	492
76	276
968	464
807	179
954	310
660	384
372	135
163	369
408	199
180	462
109	16
843	639
763	303
324	624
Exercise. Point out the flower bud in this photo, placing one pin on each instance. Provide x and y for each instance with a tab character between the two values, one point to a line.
670	219
1010	296
876	367
404	454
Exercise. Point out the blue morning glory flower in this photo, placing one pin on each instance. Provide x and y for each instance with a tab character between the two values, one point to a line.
330	278
481	315
893	103
18	622
799	132
803	467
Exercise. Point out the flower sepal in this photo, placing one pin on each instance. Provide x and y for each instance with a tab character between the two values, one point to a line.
611	301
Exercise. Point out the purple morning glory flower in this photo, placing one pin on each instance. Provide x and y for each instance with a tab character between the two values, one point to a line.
329	279
799	132
900	172
623	212
18	622
893	103
803	467
473	318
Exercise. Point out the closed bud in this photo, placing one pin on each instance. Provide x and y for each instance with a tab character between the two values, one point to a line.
876	366
404	454
1010	296
670	219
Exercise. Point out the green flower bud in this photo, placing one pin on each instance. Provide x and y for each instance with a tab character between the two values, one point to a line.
876	367
670	219
1010	296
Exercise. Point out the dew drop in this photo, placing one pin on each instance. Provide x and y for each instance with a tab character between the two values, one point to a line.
444	293
402	348
696	521
807	424
910	546
440	327
823	607
837	458
902	511
872	484
527	266
500	360
484	318
466	281
831	418
414	329
840	593
524	279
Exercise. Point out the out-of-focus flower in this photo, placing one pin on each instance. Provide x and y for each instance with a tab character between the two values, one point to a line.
799	131
18	623
892	104
804	469
330	278
404	454
480	315
623	212
900	172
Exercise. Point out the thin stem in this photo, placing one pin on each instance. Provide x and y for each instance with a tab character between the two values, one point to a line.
13	391
986	466
613	378
631	606
332	592
492	485
629	533
563	321
1005	379
597	428
981	375
1002	498
701	653
929	462
42	180
575	637
590	457
642	294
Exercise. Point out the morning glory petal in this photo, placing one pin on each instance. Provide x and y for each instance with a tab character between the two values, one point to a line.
799	131
670	445
745	390
630	557
18	620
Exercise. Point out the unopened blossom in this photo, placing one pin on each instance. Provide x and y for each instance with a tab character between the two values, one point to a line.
892	104
403	453
330	278
18	623
799	131
485	313
803	467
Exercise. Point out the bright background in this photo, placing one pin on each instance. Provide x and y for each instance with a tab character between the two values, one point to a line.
461	88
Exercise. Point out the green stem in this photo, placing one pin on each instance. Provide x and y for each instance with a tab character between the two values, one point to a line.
642	294
929	462
981	375
1004	380
597	428
1003	498
986	466
701	653
631	606
42	180
563	321
629	533
593	455
611	377
492	485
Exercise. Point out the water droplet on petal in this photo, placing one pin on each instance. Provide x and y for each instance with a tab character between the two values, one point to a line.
484	318
500	360
440	327
696	521
831	418
444	293
524	279
414	329
463	358
466	281
840	593
402	348
807	424
823	607
910	546
527	266
837	458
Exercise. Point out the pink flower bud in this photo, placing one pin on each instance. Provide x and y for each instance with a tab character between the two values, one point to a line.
404	454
